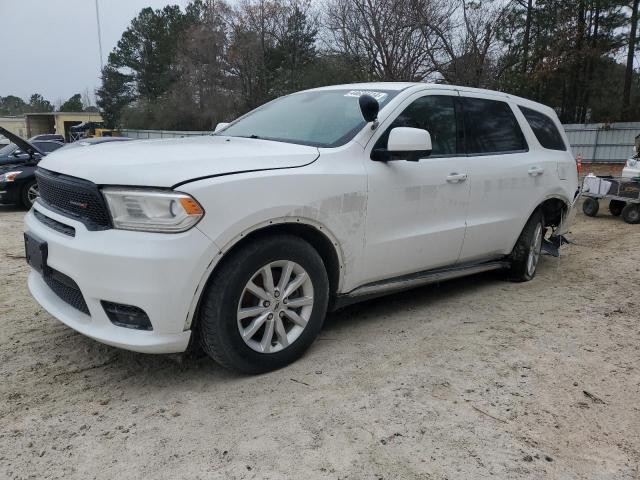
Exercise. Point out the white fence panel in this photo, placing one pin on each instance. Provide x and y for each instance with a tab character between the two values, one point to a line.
603	142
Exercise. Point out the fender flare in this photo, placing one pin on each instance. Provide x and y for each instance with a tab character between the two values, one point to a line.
551	196
222	251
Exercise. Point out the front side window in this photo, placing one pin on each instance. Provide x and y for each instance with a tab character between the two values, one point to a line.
434	113
544	129
324	118
491	127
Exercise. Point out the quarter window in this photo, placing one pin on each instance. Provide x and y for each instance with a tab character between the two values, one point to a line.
491	127
434	113
544	128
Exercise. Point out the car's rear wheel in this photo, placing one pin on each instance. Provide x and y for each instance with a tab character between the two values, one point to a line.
265	305
29	193
631	213
616	207
528	248
590	207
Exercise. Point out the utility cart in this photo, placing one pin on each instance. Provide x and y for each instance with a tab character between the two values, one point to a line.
623	195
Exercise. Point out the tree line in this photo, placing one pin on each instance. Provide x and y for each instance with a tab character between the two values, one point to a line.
13	106
213	61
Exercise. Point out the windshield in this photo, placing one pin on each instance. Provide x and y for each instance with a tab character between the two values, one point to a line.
325	118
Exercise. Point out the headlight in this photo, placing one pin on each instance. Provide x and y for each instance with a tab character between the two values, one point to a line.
10	176
631	162
152	210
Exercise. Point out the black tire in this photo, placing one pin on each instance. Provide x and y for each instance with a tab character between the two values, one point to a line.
590	207
528	241
615	207
24	194
218	320
631	213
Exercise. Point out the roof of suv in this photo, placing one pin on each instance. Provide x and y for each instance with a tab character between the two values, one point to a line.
399	86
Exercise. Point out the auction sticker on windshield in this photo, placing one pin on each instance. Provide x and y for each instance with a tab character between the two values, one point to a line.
379	96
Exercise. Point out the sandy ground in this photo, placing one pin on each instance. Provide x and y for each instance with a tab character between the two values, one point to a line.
471	379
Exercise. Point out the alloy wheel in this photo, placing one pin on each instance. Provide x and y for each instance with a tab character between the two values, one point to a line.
534	250
33	193
275	306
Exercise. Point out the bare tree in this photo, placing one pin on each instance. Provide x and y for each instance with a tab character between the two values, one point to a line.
380	34
463	41
254	26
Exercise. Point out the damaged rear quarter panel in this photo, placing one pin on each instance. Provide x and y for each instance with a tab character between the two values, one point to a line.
329	194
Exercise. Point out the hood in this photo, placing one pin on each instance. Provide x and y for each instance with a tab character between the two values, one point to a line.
23	144
170	162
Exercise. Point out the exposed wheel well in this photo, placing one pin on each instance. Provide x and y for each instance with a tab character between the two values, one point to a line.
552	209
317	239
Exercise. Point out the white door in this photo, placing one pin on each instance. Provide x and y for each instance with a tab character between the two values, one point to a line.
506	177
416	210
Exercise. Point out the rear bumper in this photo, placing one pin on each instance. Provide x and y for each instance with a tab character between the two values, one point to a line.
568	216
158	273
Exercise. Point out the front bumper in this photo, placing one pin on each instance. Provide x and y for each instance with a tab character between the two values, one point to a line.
158	273
9	193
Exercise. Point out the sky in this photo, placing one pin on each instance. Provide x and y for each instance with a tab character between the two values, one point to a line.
51	46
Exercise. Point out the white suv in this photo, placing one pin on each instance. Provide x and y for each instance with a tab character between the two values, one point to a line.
242	240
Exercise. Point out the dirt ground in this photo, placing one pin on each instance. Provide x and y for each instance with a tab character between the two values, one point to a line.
466	380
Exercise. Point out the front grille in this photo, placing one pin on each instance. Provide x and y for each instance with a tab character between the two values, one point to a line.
66	289
55	225
74	197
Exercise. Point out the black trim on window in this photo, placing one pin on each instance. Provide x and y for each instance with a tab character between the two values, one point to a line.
544	128
465	137
379	151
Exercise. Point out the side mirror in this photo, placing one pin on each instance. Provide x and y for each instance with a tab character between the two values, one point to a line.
220	126
369	107
409	143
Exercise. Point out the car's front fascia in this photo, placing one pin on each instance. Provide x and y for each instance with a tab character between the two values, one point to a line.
154	272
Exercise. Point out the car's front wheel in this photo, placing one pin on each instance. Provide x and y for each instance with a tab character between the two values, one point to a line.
29	193
265	304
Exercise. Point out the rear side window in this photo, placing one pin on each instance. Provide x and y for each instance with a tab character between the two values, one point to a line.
491	127
434	113
544	128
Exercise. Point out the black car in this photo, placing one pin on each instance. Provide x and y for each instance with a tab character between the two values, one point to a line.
48	136
18	163
87	142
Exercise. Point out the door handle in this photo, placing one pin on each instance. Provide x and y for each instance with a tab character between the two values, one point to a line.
535	171
456	177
